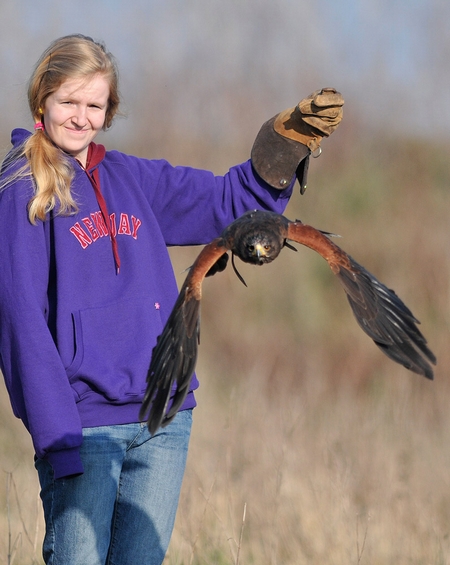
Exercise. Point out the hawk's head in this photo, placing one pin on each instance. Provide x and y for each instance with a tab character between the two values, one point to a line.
259	248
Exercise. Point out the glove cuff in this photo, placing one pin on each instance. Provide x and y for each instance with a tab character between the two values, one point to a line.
276	158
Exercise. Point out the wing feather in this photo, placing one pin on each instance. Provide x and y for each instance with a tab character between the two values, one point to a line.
390	323
175	354
380	313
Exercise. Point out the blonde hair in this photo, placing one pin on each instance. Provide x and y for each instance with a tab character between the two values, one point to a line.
69	57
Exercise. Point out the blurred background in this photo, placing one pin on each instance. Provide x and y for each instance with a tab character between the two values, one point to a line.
336	454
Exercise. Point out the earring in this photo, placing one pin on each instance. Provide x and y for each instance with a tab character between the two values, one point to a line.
41	111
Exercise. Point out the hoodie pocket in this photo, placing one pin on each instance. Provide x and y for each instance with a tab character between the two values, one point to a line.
113	349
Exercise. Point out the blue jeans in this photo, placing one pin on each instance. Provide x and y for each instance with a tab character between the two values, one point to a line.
121	511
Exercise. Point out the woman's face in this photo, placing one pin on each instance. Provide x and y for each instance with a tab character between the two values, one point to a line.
75	113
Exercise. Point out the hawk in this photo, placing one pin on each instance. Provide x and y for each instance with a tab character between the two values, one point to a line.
257	237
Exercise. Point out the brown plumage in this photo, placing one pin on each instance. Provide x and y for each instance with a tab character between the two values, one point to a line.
257	237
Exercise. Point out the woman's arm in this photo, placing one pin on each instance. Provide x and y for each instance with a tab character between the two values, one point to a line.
34	374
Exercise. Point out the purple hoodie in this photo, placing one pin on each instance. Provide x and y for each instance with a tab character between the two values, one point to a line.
76	337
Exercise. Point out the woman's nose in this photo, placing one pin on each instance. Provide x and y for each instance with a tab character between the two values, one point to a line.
79	116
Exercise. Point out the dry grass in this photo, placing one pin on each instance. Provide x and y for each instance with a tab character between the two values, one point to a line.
21	523
337	455
328	476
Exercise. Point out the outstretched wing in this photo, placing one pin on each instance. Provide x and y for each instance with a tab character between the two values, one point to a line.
378	310
175	353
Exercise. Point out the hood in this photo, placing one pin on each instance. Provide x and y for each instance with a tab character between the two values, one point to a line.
96	154
19	136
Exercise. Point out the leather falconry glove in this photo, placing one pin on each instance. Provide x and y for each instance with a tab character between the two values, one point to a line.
285	142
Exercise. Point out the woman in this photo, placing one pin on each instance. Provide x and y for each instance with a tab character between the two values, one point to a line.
86	286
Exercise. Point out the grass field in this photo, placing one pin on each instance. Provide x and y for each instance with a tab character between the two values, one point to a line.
309	446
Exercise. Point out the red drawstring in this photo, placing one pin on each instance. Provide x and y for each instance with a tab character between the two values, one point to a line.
95	181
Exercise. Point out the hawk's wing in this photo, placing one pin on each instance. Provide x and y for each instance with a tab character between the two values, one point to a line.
378	310
175	353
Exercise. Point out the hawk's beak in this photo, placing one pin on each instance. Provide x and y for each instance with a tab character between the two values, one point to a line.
259	250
